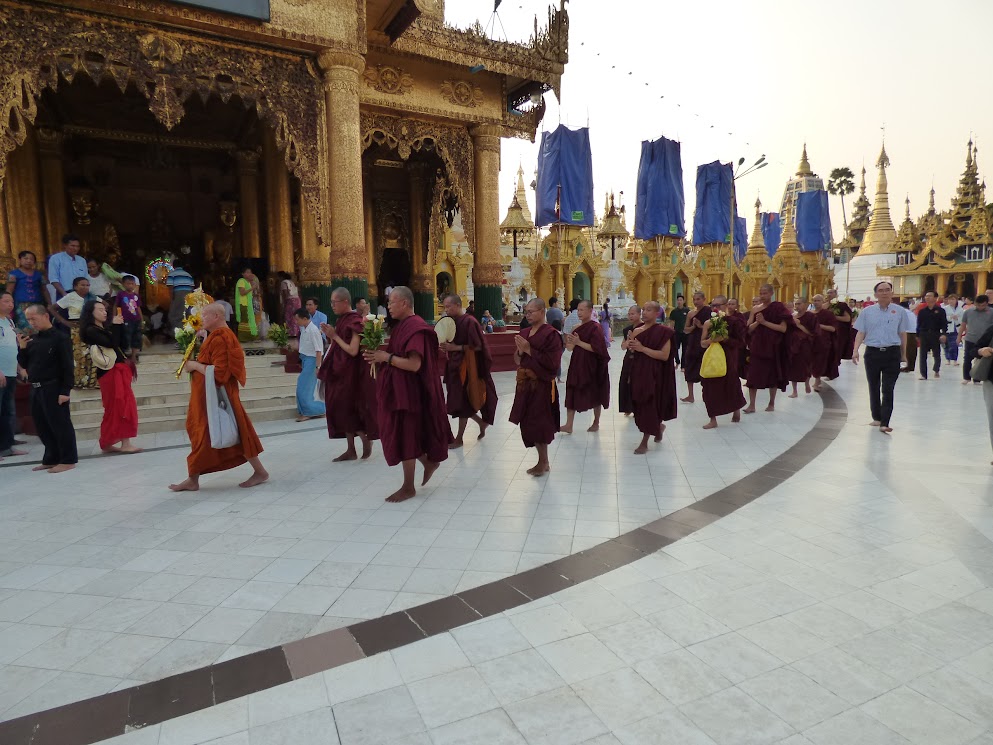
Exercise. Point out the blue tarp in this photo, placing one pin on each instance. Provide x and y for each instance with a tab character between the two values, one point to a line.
740	237
712	220
772	231
660	203
565	168
813	221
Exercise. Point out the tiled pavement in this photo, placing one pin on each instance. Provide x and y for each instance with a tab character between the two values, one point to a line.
850	602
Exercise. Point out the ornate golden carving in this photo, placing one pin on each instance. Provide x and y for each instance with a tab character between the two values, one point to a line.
461	93
452	144
385	79
44	44
328	59
490	275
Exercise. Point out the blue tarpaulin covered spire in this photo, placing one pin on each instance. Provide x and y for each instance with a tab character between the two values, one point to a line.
740	236
660	202
813	221
772	231
712	220
565	178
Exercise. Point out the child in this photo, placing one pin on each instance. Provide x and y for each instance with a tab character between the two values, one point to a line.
129	307
27	285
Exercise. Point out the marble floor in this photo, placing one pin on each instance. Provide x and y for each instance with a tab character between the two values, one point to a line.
850	603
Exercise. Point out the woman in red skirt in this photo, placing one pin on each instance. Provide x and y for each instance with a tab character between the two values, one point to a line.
114	375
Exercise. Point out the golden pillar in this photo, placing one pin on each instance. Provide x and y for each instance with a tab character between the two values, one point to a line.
22	195
368	213
277	199
487	272
248	190
53	184
7	259
422	265
310	258
982	279
941	284
349	256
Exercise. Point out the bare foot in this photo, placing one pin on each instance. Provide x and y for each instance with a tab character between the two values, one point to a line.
130	450
808	388
302	418
710	425
641	450
482	431
688	400
430	467
402	494
875	423
736	417
189	485
564	431
347	455
41	468
885	430
111	450
749	410
816	389
366	447
965	382
770	407
539	469
62	468
15	451
255	479
792	395
658	437
455	444
595	427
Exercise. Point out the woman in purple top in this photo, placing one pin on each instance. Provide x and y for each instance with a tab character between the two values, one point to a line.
27	285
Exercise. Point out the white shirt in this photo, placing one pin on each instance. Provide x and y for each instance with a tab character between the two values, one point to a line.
99	285
311	343
228	310
954	315
911	320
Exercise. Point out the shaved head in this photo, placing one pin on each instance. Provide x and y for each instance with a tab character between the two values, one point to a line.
403	294
586	304
653	305
719	300
342	293
212	309
766	288
536	303
454	299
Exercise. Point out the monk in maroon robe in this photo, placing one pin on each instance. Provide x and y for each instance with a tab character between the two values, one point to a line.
412	425
624	403
734	309
826	355
844	339
349	388
471	393
653	375
768	354
694	352
587	385
538	354
723	395
800	342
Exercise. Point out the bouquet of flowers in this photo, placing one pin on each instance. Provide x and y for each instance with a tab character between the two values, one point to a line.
719	325
279	336
188	338
373	335
839	308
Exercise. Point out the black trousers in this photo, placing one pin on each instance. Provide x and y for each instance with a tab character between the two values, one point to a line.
930	343
54	426
911	352
681	349
968	357
882	369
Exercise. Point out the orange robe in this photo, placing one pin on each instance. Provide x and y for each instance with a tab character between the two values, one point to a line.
222	350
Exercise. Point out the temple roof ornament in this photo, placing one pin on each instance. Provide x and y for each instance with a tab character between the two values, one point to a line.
757	243
522	195
881	235
909	238
804	169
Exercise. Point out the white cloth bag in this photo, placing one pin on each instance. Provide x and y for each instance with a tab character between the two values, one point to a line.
221	424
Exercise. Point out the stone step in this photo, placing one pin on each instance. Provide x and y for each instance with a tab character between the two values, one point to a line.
158	401
251	400
175	423
167	385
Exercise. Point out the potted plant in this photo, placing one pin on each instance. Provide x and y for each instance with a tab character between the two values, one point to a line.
279	336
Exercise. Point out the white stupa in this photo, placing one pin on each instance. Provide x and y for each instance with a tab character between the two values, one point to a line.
877	246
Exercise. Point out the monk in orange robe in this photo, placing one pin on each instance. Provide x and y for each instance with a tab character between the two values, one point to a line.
538	353
471	392
412	424
221	350
587	385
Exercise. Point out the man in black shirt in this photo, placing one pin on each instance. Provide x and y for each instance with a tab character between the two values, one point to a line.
678	317
47	356
932	324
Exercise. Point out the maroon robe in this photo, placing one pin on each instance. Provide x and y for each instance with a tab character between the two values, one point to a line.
624	403
536	400
653	382
469	332
801	347
412	405
844	339
768	353
743	349
349	388
826	359
694	352
723	395
588	382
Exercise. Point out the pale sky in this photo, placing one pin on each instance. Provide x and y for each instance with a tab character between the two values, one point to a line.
775	73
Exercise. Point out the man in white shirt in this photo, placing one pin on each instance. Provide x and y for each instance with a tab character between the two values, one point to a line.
311	351
954	314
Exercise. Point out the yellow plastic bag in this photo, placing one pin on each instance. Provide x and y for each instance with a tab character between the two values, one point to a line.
714	364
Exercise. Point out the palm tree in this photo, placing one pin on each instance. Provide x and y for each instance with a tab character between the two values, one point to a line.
842	182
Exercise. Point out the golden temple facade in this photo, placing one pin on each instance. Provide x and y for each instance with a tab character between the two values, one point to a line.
949	251
338	140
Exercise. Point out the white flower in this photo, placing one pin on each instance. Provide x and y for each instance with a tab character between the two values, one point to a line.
177	331
370	317
381	317
188	328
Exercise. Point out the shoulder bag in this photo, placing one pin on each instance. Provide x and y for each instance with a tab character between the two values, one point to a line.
221	423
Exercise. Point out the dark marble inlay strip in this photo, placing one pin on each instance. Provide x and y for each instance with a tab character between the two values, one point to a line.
102	717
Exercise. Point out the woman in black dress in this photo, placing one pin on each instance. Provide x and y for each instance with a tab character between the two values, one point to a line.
624	384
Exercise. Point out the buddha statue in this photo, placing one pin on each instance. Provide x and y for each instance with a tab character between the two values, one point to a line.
222	245
97	236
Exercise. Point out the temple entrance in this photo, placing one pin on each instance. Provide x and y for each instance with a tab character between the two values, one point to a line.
581	286
406	206
212	193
